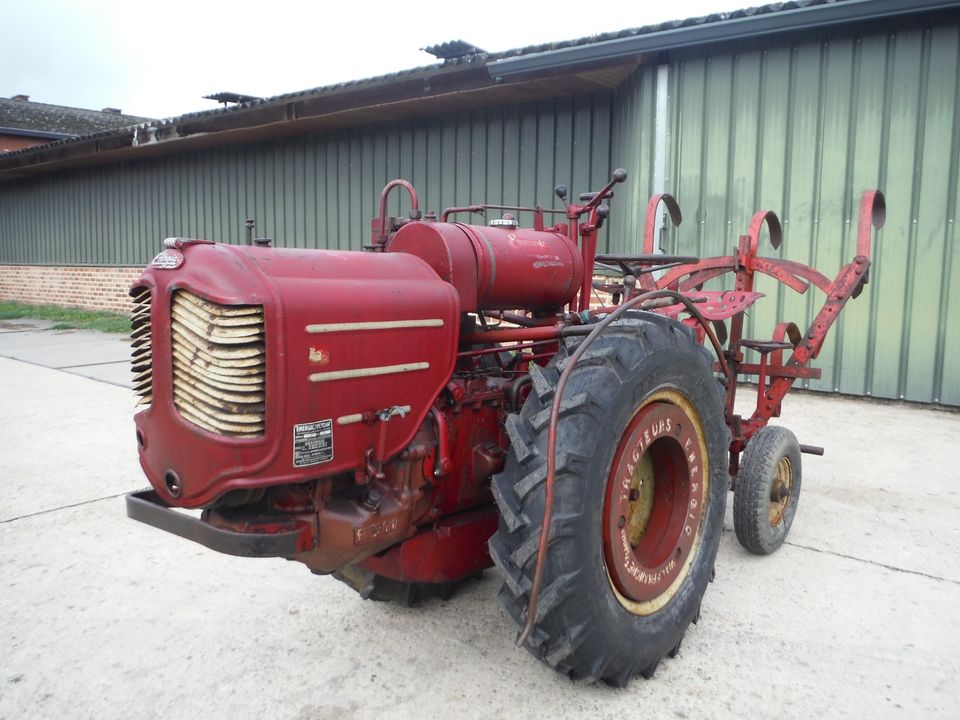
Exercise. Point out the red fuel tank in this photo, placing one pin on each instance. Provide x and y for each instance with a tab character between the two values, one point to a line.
496	268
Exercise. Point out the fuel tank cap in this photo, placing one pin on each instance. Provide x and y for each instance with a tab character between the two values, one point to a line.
507	221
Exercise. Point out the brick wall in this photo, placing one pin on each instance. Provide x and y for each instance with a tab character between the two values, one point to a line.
9	143
79	286
104	288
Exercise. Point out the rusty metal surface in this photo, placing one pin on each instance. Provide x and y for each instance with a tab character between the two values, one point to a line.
147	507
780	492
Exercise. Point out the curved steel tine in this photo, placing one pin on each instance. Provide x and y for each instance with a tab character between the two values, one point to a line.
873	212
773	226
650	223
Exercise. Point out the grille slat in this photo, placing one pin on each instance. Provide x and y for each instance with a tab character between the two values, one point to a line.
214	393
230	334
232	412
216	384
219	368
185	307
141	359
140	334
215	310
234	376
207	422
250	353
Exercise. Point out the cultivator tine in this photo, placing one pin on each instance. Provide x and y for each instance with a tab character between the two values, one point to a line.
720	328
773	226
650	222
873	212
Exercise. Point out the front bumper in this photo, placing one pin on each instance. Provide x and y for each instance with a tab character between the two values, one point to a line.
147	507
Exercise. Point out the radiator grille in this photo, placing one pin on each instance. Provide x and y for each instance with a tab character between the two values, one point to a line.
219	364
141	364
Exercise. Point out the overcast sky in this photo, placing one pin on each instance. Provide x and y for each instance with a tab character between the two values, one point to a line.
159	59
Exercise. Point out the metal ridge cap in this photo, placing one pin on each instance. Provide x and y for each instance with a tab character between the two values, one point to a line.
797	18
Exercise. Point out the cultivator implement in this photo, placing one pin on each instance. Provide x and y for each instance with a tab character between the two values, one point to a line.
774	377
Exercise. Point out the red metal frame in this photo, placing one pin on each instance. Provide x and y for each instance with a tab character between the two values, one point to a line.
774	376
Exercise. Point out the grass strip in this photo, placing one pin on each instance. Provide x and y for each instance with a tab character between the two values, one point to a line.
66	318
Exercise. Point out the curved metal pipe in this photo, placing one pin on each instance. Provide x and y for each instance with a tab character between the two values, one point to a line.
414	202
442	466
514	388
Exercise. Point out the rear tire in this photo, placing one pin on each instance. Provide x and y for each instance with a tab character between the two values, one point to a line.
628	559
767	490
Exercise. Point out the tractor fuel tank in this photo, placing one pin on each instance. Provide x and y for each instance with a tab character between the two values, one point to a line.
496	268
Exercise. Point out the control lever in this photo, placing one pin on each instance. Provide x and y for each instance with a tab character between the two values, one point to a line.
603	212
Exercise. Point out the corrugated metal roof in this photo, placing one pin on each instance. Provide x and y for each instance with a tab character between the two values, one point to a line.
471	58
228	118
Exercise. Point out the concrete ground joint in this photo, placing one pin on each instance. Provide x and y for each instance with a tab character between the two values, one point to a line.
62	507
96	364
872	562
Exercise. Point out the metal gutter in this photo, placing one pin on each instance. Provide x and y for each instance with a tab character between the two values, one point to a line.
801	18
42	134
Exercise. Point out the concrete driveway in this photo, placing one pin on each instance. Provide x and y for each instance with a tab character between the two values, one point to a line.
102	617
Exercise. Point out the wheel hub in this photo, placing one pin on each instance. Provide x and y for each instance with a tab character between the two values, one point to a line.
655	502
780	490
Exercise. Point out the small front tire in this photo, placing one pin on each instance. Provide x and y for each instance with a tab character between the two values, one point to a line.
767	490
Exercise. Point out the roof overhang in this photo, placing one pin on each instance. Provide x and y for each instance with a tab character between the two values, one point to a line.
706	33
532	74
437	89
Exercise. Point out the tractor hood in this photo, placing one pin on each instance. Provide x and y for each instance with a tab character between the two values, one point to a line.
282	365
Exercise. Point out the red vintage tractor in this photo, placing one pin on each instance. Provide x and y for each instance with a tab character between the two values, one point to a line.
450	398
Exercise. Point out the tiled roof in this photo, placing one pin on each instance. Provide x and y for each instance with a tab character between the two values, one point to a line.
43	117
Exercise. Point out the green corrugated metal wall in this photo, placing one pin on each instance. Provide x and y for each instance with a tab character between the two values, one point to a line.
633	148
802	128
314	191
799	127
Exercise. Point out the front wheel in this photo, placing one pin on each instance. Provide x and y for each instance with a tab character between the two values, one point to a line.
767	490
640	488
